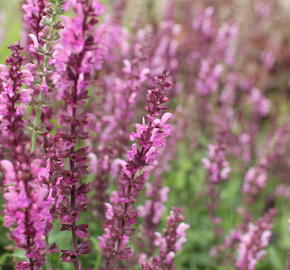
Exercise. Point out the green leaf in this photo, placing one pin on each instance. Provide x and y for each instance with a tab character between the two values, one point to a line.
98	252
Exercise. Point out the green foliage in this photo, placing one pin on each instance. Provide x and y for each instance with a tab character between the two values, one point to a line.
11	26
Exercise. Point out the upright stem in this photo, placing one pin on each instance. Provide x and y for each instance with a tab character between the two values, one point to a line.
46	51
27	225
16	141
28	242
72	168
77	265
36	123
48	262
74	237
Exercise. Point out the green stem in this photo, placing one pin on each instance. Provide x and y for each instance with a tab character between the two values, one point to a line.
36	123
48	262
41	99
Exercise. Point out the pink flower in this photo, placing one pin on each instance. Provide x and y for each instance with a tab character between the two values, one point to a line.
144	152
169	242
253	242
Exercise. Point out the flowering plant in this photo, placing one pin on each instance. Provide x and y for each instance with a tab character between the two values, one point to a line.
146	135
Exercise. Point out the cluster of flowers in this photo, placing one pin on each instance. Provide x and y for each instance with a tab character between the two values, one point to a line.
45	164
92	113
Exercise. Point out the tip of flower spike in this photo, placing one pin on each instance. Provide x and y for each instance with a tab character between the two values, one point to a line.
161	79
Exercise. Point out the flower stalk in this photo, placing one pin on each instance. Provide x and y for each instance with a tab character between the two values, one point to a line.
52	24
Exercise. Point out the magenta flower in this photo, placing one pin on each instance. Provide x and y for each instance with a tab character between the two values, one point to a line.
209	77
169	242
257	176
216	164
110	123
150	138
27	209
34	11
254	241
218	170
77	57
151	213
